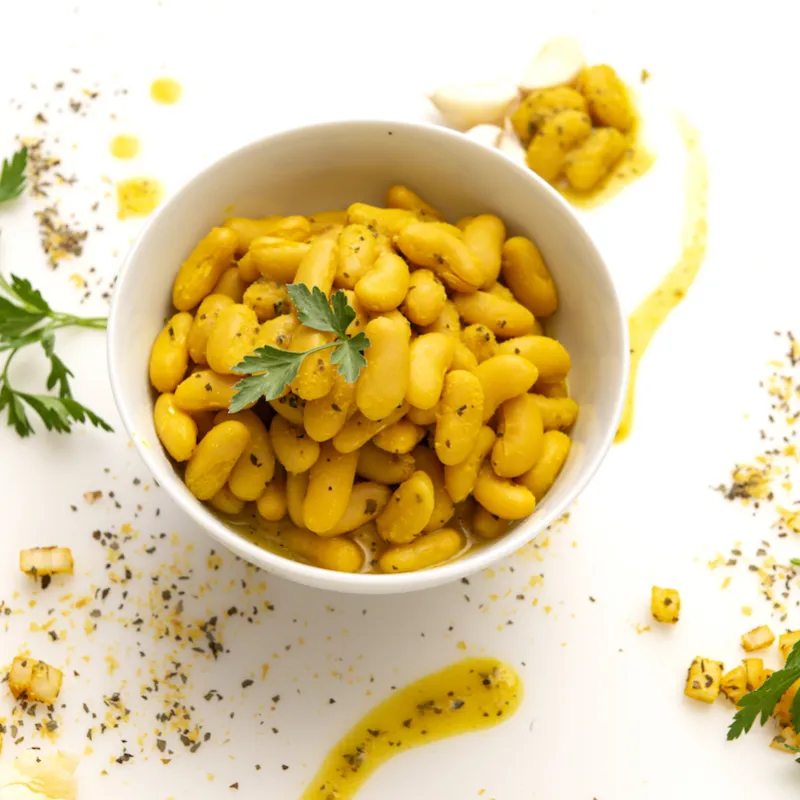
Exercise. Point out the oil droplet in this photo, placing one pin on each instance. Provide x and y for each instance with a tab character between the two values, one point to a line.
138	197
470	695
124	146
166	90
651	313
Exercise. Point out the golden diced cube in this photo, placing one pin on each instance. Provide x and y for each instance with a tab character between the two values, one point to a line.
46	561
19	676
758	638
765	673
786	641
34	679
786	740
704	679
734	684
753	667
783	710
665	604
45	683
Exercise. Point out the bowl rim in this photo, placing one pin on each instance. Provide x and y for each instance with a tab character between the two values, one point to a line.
306	574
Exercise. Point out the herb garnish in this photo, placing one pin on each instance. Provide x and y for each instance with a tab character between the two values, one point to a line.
12	177
271	369
26	318
764	699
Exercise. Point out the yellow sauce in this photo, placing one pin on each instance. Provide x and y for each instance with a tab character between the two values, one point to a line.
654	309
138	197
166	90
124	146
471	695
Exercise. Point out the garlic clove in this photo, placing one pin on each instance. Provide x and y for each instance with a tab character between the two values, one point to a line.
488	135
466	105
557	63
510	143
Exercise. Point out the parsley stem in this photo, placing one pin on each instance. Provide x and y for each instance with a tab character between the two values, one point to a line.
63	320
11	355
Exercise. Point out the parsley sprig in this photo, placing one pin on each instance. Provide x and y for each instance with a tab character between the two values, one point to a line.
764	699
12	177
271	370
26	318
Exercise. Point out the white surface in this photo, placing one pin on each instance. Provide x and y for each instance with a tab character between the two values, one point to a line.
334	165
603	716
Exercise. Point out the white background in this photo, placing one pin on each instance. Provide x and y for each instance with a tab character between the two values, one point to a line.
604	716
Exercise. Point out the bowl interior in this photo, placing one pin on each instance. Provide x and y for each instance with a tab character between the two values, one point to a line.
328	167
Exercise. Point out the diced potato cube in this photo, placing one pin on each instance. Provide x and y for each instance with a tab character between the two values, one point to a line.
703	680
45	683
34	679
734	684
665	604
19	676
753	667
786	740
786	641
783	710
46	561
765	673
758	638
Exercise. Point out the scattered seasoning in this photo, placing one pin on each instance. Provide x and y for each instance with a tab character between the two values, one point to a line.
764	485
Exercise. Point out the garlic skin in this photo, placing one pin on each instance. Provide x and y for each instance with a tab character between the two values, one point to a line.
558	62
510	143
488	135
466	105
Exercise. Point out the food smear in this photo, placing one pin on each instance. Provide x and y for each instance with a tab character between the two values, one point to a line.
124	146
166	91
471	695
138	197
651	313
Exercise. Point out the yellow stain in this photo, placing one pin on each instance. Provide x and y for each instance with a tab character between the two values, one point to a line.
653	311
138	197
124	146
471	695
166	91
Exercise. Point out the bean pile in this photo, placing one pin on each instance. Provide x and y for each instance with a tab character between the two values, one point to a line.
458	415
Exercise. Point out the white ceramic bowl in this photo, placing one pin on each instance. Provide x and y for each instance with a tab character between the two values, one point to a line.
330	166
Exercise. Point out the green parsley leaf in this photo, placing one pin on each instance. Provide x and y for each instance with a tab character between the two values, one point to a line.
271	370
274	370
350	356
12	177
26	318
343	313
764	699
795	561
313	308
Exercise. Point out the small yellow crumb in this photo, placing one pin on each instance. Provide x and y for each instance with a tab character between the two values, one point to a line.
747	610
461	645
